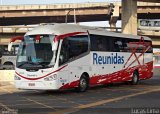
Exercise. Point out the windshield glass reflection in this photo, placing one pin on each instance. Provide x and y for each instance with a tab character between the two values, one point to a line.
36	52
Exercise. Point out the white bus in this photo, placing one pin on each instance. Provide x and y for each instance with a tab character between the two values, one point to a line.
8	58
62	56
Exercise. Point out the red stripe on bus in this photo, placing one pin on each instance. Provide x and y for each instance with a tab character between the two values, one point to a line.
42	76
59	37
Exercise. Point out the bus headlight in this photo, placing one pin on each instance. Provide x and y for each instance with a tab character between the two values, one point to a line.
51	78
17	77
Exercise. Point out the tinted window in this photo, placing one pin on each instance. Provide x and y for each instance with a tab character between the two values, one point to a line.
117	44
128	45
73	47
100	43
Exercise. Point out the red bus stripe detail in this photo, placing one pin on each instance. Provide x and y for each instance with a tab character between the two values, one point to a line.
59	37
133	50
42	76
118	76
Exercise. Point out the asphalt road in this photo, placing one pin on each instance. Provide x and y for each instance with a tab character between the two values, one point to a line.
111	99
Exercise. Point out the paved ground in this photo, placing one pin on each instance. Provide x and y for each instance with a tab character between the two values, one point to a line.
111	99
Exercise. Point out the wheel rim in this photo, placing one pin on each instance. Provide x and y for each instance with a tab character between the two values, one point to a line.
83	84
135	78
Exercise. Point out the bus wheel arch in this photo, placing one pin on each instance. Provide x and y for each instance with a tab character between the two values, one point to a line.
8	63
83	82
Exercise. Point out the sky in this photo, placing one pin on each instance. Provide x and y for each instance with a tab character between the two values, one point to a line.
27	2
17	2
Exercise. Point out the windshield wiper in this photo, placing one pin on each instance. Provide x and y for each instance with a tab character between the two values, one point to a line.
44	64
24	63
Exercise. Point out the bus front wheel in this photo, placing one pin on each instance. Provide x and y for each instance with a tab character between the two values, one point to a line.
83	84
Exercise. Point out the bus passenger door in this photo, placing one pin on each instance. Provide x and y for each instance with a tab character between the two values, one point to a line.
73	51
63	79
63	65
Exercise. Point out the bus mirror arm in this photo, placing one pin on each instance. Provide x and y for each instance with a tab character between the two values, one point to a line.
13	40
10	46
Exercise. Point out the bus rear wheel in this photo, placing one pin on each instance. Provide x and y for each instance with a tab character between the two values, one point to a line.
83	84
135	78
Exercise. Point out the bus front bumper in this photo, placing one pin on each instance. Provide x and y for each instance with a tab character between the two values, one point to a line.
37	85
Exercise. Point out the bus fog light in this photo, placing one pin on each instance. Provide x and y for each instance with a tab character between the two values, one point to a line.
51	78
17	77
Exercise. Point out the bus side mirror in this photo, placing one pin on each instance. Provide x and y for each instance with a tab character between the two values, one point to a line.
10	46
54	46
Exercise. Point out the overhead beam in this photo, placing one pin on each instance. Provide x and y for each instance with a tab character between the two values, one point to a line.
35	14
155	1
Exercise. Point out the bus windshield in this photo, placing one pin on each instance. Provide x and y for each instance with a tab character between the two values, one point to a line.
35	52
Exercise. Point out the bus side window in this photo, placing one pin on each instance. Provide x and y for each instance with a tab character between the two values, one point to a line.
100	43
121	44
77	46
72	47
117	45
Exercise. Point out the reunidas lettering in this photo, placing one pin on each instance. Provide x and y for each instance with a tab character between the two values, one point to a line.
112	59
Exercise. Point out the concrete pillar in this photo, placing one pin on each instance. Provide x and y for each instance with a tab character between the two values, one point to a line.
129	17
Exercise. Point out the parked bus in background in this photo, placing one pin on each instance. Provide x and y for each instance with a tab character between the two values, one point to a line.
8	58
62	56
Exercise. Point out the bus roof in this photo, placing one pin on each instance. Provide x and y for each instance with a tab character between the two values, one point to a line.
59	29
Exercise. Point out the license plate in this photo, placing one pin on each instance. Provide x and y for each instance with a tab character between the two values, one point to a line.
31	84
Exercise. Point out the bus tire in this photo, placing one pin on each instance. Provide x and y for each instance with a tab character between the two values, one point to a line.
83	83
135	78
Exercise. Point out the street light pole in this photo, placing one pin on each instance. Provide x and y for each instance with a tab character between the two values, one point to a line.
66	19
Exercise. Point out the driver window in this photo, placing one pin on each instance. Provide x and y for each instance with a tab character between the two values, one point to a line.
64	52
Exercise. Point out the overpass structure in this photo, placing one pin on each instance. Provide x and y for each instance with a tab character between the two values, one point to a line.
60	13
35	14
